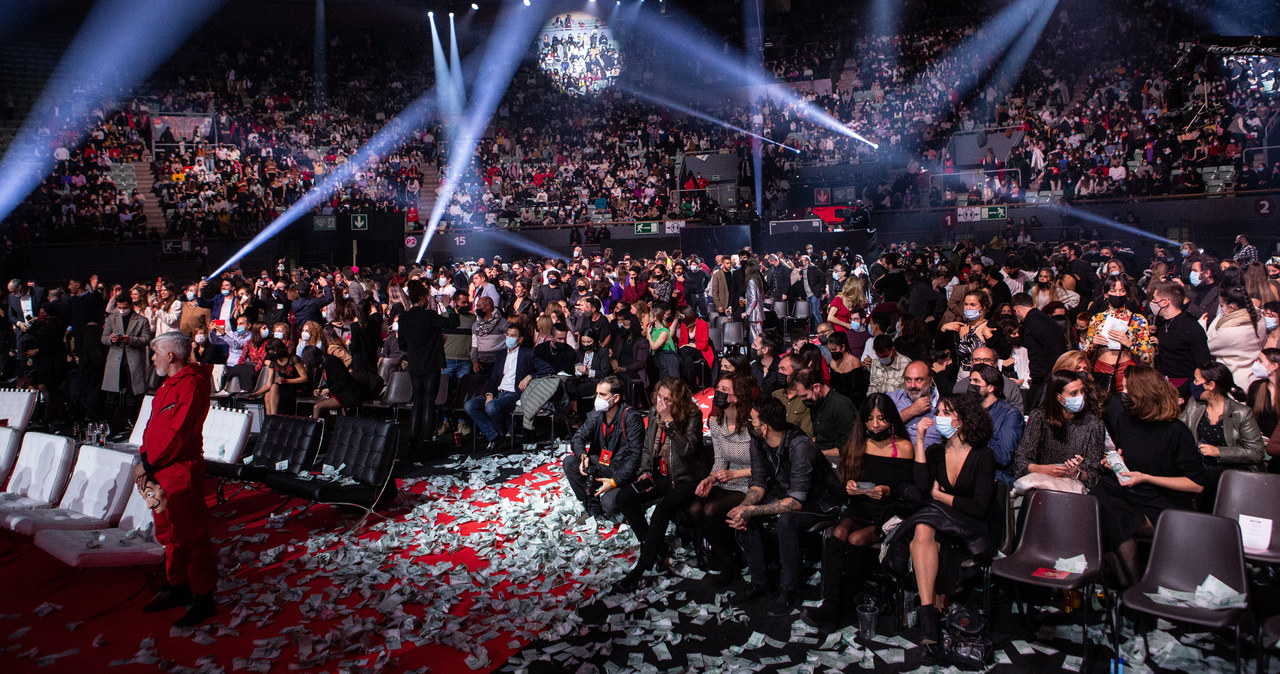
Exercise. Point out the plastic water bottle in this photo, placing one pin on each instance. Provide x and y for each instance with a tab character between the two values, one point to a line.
1117	465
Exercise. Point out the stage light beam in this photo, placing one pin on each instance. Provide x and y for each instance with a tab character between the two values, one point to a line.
692	112
105	61
504	50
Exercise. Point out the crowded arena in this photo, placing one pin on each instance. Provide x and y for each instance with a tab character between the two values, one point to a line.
626	336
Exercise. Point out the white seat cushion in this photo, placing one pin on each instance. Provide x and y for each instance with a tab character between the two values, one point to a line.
97	493
130	544
10	441
17	406
28	522
225	434
10	502
144	415
42	468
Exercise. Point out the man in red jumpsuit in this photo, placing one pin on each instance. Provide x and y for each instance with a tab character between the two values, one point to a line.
173	456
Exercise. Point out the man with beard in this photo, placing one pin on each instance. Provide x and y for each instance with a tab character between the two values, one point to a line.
917	399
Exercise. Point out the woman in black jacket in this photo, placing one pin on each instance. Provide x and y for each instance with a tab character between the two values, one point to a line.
672	464
592	366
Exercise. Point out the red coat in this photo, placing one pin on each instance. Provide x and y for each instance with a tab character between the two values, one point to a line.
173	449
701	339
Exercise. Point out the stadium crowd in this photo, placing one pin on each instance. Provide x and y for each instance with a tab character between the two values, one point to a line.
559	158
917	383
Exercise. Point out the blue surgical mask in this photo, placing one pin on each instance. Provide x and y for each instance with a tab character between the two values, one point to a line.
944	426
1186	253
972	314
1271	322
855	326
225	292
240	329
886	361
1194	277
1073	403
191	297
512	342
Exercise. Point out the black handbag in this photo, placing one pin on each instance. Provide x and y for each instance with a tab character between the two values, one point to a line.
964	640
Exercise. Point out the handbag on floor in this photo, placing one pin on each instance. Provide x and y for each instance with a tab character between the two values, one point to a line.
965	639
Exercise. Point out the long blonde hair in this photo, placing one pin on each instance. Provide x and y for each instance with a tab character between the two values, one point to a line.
854	293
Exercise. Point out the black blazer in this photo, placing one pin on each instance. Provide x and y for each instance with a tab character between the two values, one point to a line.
526	364
422	338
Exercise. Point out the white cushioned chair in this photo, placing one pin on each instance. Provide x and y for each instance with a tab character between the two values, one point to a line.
226	432
132	543
16	407
94	499
139	426
10	441
40	473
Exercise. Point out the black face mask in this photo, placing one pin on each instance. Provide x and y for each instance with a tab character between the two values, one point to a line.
811	404
1043	284
879	436
720	399
822	339
1117	301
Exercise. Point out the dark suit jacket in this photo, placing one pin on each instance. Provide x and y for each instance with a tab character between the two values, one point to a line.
1044	341
15	305
526	364
422	338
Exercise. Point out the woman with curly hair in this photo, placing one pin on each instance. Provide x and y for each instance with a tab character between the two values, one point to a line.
672	464
956	480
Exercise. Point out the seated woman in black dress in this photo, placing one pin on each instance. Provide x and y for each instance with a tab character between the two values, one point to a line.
848	377
286	378
957	478
1165	470
876	468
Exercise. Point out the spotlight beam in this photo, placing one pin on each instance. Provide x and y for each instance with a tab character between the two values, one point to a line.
446	98
1015	59
455	65
105	61
383	143
665	102
684	40
1099	220
503	52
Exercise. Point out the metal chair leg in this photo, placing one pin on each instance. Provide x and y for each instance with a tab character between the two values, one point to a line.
1084	621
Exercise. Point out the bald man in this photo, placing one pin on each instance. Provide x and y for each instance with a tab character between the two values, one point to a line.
917	399
1012	390
172	455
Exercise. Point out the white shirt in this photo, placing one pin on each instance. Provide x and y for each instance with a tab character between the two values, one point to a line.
508	382
227	303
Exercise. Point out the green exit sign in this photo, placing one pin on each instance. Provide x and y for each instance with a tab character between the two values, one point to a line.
359	222
994	212
646	228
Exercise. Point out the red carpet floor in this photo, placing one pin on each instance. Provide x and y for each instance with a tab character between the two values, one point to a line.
456	581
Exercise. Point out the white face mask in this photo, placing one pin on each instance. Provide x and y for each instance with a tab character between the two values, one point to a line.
264	332
602	405
278	334
199	339
1259	370
306	336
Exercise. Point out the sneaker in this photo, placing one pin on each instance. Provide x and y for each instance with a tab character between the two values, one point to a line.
169	597
202	608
